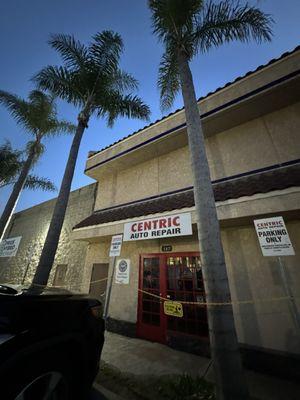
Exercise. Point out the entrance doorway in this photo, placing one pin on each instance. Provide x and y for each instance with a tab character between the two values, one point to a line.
174	276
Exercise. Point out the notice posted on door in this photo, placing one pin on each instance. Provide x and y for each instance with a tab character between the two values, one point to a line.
273	237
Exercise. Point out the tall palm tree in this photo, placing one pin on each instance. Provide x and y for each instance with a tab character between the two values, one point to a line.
38	117
91	79
187	28
11	164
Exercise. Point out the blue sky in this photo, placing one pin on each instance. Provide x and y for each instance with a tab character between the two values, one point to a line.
25	27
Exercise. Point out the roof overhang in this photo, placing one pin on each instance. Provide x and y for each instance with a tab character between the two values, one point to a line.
231	213
258	102
270	179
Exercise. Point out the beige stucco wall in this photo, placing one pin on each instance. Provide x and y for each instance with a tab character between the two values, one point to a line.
264	141
251	276
32	224
255	144
123	302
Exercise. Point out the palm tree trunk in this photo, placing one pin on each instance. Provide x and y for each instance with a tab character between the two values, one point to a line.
13	199
48	253
230	380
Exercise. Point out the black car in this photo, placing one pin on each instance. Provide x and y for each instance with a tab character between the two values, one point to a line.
50	344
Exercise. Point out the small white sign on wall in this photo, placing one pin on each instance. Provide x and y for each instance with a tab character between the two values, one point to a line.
122	271
9	247
273	237
115	246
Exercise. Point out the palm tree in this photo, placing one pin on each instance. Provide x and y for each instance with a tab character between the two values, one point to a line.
11	164
38	117
92	80
187	28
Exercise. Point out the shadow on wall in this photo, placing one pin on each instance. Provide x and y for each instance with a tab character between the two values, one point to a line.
246	318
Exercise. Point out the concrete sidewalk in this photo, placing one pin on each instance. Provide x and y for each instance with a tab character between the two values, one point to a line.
101	393
140	357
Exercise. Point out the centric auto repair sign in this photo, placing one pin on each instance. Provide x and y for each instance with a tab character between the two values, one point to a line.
273	237
159	227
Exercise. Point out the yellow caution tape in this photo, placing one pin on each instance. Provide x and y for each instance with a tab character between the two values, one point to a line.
198	303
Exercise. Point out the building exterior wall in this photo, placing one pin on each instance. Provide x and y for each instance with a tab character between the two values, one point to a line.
132	250
256	144
261	324
32	224
146	164
157	167
263	76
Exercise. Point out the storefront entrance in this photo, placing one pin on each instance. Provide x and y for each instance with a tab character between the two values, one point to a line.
177	277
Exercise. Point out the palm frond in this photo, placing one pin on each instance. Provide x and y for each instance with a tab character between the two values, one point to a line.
105	50
122	81
35	147
56	127
18	108
38	98
61	82
10	163
128	106
42	110
74	54
34	182
96	84
172	18
229	20
168	80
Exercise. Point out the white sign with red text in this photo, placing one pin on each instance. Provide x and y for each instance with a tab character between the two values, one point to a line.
273	237
159	227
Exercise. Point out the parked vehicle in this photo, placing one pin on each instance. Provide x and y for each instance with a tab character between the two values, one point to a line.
50	344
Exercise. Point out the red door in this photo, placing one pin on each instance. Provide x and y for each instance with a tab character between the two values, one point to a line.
151	319
178	277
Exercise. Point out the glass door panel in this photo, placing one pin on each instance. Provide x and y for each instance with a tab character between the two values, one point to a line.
176	277
151	284
151	321
185	283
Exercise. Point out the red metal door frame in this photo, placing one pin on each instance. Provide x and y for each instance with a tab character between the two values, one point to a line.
146	331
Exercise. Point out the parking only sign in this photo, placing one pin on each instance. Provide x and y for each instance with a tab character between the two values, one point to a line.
115	246
273	237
